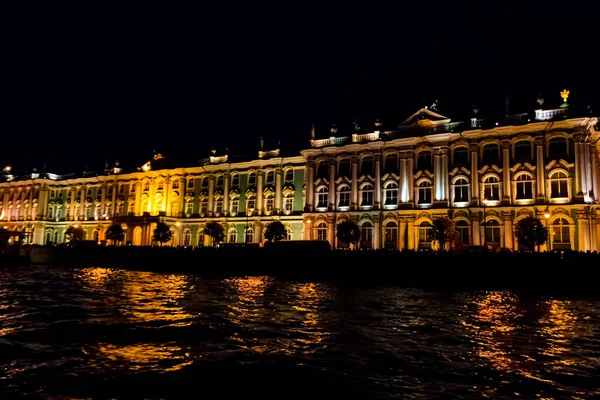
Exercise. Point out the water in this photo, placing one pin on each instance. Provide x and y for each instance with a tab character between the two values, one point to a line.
105	333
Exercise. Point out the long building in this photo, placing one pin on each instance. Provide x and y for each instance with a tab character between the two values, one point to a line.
485	175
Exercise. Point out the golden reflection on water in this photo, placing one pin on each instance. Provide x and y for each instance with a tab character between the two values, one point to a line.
252	309
155	297
491	326
136	357
559	326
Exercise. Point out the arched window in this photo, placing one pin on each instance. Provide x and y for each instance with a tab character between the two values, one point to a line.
524	187
235	180
366	235
461	190
559	185
492	232
187	237
523	151
491	189
424	235
366	195
391	163
424	192
561	234
252	178
322	231
249	235
270	178
391	235
460	157
322	197
220	181
288	233
146	186
289	175
391	193
232	235
344	196
462	228
160	185
424	161
366	166
344	168
490	154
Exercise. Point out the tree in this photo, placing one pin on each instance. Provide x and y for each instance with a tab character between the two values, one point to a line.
162	233
530	232
348	232
74	234
275	231
215	231
443	231
115	233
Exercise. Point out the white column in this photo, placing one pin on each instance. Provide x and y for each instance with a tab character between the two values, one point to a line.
583	230
403	184
445	175
377	182
402	235
259	192
310	179
476	234
411	177
331	231
377	233
594	162
331	196
540	170
411	234
579	138
474	174
506	172
508	233
354	201
211	194
226	184
438	186
277	191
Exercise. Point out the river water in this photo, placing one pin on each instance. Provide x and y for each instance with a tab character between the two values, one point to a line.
107	333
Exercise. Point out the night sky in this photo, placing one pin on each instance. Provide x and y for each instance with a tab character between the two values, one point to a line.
86	82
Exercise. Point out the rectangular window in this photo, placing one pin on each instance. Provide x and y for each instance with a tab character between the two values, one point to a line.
344	199
235	206
203	207
367	198
219	207
176	184
288	204
190	183
524	190
323	197
189	208
235	181
270	203
251	205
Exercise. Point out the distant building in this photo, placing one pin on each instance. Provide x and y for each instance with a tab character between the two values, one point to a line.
484	174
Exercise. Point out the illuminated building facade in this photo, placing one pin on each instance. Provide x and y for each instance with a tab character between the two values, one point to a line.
243	195
484	175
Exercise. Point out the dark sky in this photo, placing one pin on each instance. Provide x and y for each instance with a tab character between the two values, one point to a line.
85	82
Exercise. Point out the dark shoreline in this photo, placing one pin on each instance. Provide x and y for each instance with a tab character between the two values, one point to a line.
570	272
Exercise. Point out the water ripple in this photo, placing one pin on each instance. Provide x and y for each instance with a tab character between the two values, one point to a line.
111	333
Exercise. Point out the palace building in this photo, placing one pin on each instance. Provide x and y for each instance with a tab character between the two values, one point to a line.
484	174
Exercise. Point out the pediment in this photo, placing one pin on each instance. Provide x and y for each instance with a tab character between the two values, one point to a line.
425	114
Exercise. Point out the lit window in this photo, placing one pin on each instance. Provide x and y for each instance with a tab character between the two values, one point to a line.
344	196
366	195
424	191
391	194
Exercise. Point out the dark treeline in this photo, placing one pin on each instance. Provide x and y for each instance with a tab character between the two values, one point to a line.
573	271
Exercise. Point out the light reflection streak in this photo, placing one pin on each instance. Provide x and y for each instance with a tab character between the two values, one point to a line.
252	309
137	357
